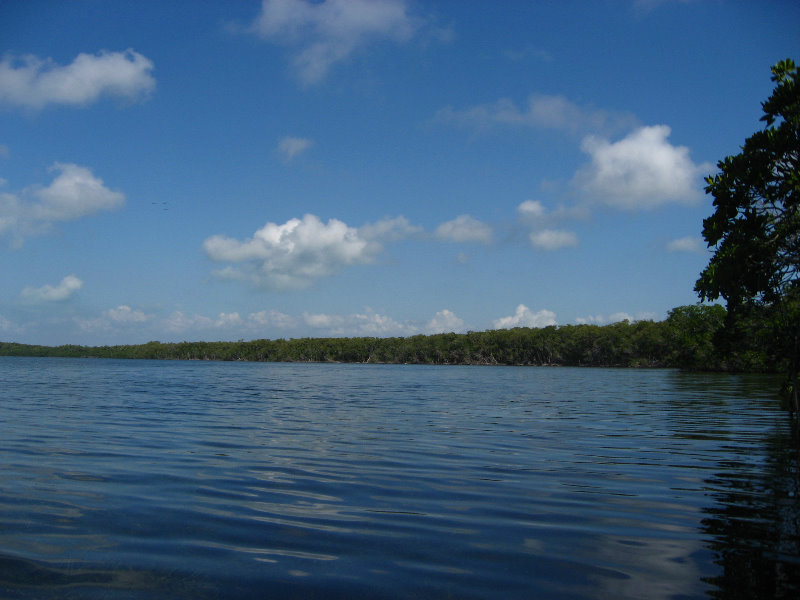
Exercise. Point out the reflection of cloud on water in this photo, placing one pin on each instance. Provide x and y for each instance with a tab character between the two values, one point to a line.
629	561
654	568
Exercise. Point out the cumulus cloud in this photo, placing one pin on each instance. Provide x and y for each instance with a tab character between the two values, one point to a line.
228	320
180	322
294	254
74	193
53	293
290	147
542	111
642	170
445	321
534	215
368	323
125	314
524	317
465	228
33	82
114	318
687	244
321	34
272	318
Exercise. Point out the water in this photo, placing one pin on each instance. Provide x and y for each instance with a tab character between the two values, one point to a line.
195	480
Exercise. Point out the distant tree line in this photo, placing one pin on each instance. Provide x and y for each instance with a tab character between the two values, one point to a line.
692	337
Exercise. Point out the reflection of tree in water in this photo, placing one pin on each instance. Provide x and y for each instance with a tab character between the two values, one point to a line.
755	524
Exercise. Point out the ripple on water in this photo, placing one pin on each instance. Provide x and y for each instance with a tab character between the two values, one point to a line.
144	479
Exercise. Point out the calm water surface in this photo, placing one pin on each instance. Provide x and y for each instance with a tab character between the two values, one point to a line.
145	479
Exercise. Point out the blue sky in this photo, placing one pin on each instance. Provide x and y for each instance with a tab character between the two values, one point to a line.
241	170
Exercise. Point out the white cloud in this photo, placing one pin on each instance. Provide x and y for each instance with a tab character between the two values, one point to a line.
604	319
553	239
642	170
321	34
290	147
114	318
32	82
368	323
228	320
125	314
614	318
465	228
180	322
49	293
389	230
293	255
523	317
74	193
534	215
444	321
531	209
272	318
542	111
687	244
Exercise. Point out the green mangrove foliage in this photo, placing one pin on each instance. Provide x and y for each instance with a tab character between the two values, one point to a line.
686	339
755	232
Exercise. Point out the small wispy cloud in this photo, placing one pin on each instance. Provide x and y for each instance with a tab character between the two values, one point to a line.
646	6
534	215
529	52
52	293
121	318
180	322
691	244
273	318
464	228
531	209
290	147
617	317
553	239
322	34
542	111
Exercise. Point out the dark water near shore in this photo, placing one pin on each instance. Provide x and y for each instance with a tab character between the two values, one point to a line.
144	479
